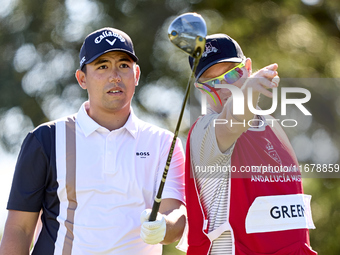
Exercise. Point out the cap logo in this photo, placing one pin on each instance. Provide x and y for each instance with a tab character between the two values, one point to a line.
209	49
111	43
105	34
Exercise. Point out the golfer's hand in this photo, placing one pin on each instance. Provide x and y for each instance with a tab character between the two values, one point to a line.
152	232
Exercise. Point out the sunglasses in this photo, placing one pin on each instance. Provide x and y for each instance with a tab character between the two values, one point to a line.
230	77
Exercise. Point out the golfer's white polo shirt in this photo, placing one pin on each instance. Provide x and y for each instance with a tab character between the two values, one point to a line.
116	177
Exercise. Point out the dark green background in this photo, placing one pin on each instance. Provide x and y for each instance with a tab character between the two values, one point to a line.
40	41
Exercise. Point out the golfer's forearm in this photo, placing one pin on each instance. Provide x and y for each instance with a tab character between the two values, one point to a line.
15	242
175	223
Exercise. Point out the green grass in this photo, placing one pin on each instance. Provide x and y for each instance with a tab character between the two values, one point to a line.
170	249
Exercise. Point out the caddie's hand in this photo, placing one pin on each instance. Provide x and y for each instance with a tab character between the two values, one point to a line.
264	79
152	232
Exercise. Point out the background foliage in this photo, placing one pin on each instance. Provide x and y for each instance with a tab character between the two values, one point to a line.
40	42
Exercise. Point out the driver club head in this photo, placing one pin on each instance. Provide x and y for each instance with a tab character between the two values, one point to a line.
188	32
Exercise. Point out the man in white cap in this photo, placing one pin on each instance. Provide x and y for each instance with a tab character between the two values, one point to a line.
235	206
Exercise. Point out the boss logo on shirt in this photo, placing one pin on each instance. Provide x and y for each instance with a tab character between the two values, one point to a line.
143	154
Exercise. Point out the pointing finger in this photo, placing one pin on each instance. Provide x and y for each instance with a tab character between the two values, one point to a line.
272	67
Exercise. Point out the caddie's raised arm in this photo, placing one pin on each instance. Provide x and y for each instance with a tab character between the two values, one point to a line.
227	75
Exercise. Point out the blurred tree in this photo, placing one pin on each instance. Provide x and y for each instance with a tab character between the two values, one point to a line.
40	42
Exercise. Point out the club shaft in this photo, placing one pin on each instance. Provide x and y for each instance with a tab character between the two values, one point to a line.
158	198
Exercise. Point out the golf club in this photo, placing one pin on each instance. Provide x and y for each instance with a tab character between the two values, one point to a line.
187	32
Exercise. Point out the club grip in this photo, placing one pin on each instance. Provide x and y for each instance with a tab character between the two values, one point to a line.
154	211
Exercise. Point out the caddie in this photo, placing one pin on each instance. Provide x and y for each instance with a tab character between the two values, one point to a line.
229	212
